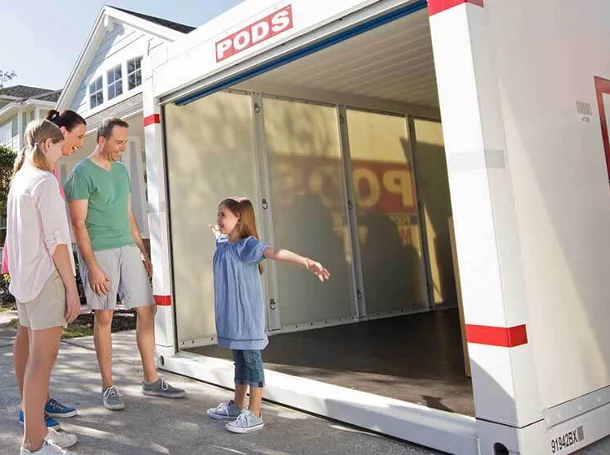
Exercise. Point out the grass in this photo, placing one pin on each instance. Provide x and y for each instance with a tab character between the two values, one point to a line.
3	309
83	326
13	324
74	330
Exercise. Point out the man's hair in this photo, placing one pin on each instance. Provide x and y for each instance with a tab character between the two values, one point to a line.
105	129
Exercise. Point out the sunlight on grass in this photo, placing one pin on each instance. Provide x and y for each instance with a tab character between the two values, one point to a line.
77	331
74	330
13	324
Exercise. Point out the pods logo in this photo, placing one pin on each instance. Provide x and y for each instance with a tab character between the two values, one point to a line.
255	33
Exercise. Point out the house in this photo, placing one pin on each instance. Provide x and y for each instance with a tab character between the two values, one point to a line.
19	105
106	81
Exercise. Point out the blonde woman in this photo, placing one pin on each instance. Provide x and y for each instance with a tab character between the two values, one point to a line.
42	272
73	127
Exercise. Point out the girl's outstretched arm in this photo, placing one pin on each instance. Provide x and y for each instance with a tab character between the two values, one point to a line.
280	255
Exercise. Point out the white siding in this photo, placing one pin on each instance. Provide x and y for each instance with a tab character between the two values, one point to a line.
119	45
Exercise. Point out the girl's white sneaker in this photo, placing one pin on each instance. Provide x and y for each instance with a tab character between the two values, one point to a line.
48	448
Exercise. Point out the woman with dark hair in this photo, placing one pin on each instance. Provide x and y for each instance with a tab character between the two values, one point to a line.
73	128
72	125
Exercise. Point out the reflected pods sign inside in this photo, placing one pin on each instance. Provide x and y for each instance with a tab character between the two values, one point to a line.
255	33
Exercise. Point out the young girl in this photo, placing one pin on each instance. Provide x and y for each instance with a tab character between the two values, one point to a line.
238	303
42	272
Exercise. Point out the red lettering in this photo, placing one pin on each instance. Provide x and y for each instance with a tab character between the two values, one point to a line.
255	33
260	32
281	21
241	40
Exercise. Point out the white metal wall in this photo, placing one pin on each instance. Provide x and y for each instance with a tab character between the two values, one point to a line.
530	194
560	183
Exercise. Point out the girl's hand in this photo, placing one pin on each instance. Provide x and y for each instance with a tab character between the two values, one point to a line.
317	269
215	230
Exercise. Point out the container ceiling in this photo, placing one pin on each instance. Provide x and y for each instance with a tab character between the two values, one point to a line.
392	62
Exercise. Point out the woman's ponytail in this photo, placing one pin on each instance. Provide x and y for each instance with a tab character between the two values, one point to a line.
52	115
19	161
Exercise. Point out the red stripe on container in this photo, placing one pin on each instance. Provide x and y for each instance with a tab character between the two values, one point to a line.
438	6
152	119
508	337
163	300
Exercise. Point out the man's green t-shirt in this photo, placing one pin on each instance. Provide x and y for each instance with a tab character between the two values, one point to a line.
108	194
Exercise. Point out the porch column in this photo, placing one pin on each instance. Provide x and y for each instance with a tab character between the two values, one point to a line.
20	130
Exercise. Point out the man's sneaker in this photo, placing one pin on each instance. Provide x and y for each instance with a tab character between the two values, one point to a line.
162	389
112	399
48	449
225	411
61	438
55	409
247	422
50	422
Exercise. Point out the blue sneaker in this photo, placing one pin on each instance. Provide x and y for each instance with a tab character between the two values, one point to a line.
49	421
60	411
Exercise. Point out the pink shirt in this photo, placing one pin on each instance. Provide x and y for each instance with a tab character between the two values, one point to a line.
4	268
37	223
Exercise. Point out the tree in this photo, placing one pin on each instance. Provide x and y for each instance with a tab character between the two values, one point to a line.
7	159
6	76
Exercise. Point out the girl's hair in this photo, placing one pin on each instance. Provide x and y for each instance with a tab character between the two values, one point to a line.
36	134
242	208
68	119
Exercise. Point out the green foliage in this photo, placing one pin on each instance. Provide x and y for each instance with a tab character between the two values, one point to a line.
6	298
7	158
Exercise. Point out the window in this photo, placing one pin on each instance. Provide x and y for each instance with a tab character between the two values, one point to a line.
96	93
134	72
6	134
115	82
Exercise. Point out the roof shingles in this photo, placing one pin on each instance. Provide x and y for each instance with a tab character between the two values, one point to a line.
25	92
157	20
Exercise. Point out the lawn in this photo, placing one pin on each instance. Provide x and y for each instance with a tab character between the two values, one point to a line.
83	326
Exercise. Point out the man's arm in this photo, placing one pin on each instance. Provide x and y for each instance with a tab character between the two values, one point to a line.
137	237
78	213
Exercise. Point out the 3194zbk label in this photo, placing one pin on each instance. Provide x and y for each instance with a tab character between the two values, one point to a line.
568	439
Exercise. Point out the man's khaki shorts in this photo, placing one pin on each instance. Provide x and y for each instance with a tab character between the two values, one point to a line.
48	309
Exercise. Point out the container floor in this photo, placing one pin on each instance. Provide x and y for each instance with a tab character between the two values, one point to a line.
415	358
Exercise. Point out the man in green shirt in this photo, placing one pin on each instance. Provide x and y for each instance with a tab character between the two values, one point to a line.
113	259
